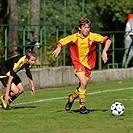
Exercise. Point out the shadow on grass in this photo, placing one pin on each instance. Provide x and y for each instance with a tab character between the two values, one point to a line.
78	111
91	110
23	107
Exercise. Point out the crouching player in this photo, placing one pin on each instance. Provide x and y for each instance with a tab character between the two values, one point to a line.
10	79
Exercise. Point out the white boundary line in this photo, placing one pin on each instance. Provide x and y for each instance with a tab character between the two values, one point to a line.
124	99
59	98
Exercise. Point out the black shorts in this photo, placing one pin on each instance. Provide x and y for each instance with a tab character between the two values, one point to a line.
16	80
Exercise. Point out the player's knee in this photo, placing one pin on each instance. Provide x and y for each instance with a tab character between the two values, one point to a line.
21	91
16	91
84	84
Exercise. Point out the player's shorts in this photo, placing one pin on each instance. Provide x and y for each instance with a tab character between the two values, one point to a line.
80	69
16	80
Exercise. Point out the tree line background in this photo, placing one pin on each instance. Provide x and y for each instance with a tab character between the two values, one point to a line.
105	15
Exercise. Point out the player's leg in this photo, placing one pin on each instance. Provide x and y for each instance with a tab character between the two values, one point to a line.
13	94
4	82
16	88
81	90
3	103
71	99
15	91
74	95
82	93
77	68
0	103
130	54
126	57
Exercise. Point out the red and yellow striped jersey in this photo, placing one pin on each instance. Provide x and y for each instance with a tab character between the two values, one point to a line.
83	49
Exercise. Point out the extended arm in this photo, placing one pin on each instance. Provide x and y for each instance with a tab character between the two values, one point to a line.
64	41
57	51
104	53
7	97
28	73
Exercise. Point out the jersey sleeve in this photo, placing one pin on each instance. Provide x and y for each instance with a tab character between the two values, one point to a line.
97	38
65	41
17	66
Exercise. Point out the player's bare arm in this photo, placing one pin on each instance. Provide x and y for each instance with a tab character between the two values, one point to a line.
104	53
28	73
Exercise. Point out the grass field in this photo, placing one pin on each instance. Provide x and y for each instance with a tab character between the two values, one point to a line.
44	113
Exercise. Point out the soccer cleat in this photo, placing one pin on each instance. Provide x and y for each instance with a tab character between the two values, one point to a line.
69	104
0	106
8	107
83	110
3	103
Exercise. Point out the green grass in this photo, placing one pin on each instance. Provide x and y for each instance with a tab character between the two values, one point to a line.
44	113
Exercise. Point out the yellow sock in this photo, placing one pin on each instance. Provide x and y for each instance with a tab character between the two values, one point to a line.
82	95
74	95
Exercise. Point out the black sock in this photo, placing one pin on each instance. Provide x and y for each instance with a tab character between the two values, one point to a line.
12	98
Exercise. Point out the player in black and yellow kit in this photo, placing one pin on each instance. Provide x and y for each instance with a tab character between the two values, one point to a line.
10	79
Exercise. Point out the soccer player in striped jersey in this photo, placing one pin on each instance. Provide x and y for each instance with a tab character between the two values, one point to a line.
11	81
83	54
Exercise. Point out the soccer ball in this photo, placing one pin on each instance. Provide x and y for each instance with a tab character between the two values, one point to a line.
117	108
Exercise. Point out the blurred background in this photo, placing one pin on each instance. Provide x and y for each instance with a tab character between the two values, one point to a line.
41	23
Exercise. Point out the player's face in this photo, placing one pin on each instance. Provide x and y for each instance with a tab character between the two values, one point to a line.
32	60
84	30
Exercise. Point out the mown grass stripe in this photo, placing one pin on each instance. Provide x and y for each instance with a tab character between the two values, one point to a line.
59	98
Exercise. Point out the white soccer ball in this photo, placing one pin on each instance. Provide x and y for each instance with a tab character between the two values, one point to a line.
117	108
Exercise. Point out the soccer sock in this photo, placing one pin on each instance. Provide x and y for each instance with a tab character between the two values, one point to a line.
82	95
74	95
12	98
